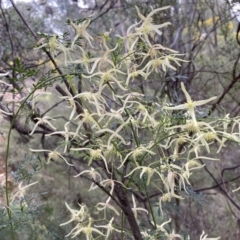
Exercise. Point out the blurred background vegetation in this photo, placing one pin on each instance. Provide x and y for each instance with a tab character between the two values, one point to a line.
205	31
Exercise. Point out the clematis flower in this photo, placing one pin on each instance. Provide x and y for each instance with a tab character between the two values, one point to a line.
42	121
190	165
167	197
109	228
71	104
86	117
54	44
9	85
146	116
173	236
147	27
106	205
21	191
135	73
149	171
95	154
161	227
80	31
108	77
235	190
3	75
85	60
94	98
66	134
130	39
107	183
154	51
190	104
112	114
54	155
87	230
101	61
209	136
136	153
172	175
164	62
77	215
112	152
177	142
135	209
203	132
204	237
115	132
93	175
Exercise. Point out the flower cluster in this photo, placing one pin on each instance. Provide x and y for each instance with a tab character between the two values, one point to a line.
125	140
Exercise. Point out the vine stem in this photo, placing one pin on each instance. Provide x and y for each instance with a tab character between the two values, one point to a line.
39	85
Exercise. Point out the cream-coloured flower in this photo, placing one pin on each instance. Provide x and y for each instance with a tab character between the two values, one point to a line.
204	237
169	236
134	73
93	175
167	197
235	190
42	121
161	227
84	59
54	155
87	117
21	191
190	104
115	132
4	75
72	104
55	44
135	209
88	230
80	31
94	98
147	27
190	165
95	154
108	77
164	62
109	228
105	205
174	172
76	215
130	41
104	61
136	153
149	171
66	134
9	85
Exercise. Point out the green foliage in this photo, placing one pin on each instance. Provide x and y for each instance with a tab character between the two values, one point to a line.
115	110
